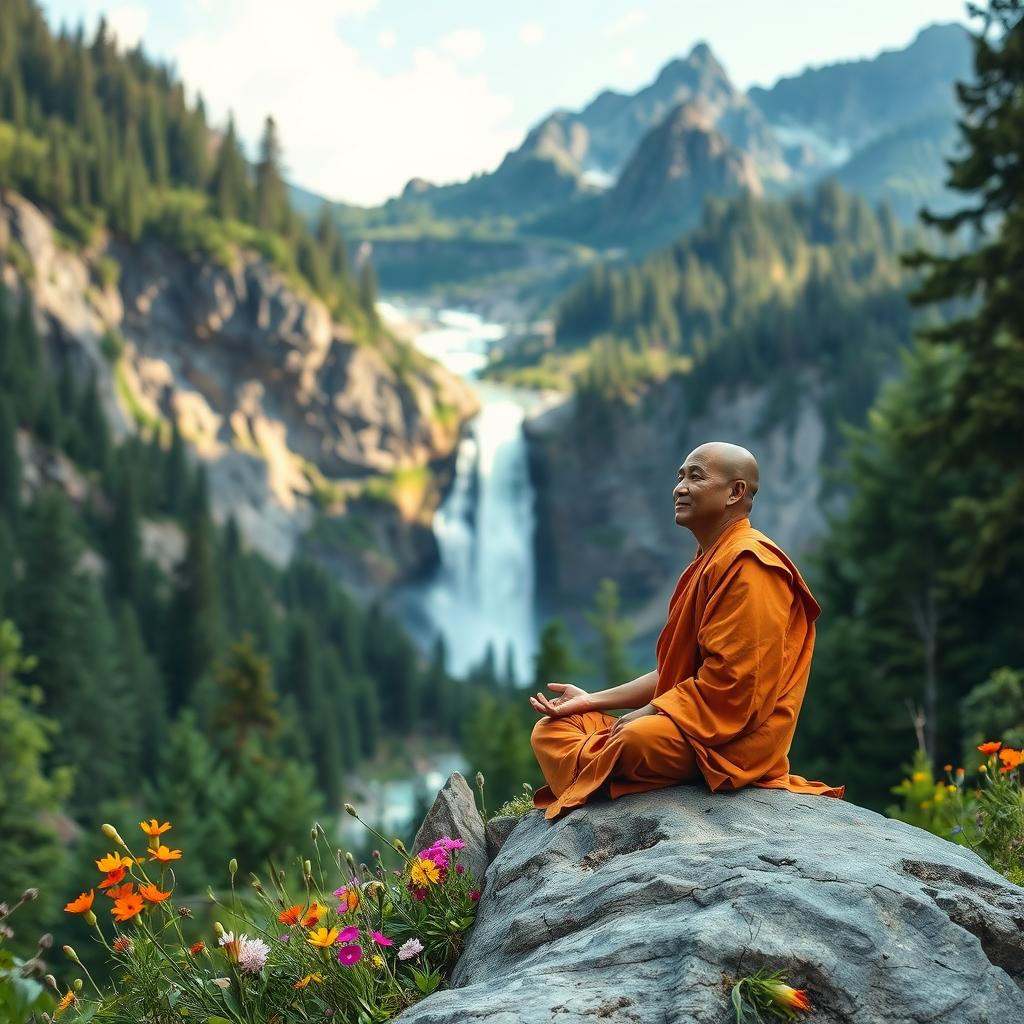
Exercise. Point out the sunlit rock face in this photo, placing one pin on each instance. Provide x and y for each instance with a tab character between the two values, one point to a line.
645	909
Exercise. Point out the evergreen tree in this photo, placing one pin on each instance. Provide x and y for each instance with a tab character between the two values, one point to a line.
31	797
229	184
246	698
554	660
611	646
271	198
985	422
496	741
10	465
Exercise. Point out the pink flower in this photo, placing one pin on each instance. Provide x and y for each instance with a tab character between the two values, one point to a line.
418	894
381	940
436	854
447	843
459	869
349	955
409	949
349	934
474	895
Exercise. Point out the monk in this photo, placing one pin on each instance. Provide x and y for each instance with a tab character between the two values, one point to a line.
733	662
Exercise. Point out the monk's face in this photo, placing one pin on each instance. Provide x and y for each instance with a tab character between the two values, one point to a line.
702	490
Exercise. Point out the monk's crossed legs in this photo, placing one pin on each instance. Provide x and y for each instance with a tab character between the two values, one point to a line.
647	753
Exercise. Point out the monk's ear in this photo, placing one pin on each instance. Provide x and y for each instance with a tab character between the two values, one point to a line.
737	491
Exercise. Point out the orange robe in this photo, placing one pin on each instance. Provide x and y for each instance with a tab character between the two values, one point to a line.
733	662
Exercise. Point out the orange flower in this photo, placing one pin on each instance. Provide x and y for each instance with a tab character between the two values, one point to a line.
113	878
152	829
118	892
313	915
121	943
787	996
303	982
989	748
349	901
112	861
152	893
127	907
323	937
424	872
1011	758
947	767
82	904
65	1003
196	948
291	915
163	854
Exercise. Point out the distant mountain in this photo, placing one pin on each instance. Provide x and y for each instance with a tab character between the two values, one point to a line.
842	107
676	166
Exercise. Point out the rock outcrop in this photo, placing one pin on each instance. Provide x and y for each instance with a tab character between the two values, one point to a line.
289	412
646	908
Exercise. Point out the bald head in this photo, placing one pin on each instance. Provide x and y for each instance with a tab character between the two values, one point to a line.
732	462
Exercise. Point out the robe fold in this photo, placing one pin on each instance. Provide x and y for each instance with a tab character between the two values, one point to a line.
734	657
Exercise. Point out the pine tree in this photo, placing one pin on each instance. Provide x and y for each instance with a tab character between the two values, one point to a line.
229	184
610	648
246	698
986	420
271	198
554	660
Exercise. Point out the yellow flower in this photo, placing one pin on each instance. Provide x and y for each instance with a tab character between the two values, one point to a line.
424	872
303	982
951	788
323	937
921	777
112	861
154	828
377	960
65	1002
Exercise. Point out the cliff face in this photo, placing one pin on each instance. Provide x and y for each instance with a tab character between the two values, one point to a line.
288	412
604	503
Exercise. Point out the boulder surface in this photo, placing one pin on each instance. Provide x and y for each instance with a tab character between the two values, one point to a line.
644	909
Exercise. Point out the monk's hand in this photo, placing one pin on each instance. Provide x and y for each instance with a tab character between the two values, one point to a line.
621	723
571	700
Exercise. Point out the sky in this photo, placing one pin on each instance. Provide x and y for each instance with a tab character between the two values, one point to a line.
370	93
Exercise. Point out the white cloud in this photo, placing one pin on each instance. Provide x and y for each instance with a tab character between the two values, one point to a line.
464	44
532	34
386	38
128	22
630	21
348	130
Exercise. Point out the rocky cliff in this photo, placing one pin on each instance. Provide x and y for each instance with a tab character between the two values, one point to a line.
604	503
648	908
297	422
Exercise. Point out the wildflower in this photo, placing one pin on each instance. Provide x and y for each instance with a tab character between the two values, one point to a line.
303	982
377	961
152	893
1011	758
418	893
424	872
459	869
118	892
196	948
990	747
113	878
252	954
786	996
447	843
284	938
163	854
82	904
474	895
349	955
435	854
381	940
313	915
921	777
112	861
152	829
231	946
122	943
127	907
291	915
323	937
956	830
65	1002
349	897
951	788
349	934
409	949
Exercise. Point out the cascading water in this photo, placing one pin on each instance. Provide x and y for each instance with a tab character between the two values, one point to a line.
483	593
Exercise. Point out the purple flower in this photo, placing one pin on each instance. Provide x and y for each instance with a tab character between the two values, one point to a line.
349	934
474	895
381	940
349	955
459	869
285	938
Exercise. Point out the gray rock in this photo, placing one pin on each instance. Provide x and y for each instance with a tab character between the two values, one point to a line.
454	814
639	910
497	832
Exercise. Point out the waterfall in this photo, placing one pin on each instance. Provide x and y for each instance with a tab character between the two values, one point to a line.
483	592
